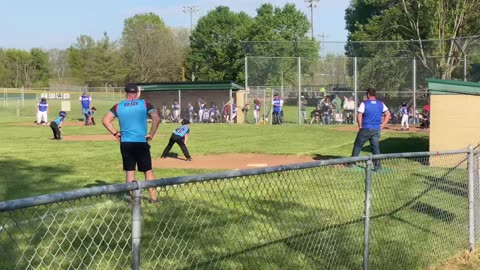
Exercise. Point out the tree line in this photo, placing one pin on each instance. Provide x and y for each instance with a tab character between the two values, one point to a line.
151	51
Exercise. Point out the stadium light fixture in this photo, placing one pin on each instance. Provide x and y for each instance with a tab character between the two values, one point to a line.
312	4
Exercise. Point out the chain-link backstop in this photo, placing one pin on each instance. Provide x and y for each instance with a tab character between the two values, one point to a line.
417	210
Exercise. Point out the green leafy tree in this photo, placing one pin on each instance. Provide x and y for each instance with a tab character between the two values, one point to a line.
441	21
149	50
280	32
215	49
81	58
96	62
39	63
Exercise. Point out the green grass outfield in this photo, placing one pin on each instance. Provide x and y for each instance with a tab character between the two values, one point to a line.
306	219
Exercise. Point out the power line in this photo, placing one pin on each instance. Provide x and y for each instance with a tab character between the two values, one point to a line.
191	10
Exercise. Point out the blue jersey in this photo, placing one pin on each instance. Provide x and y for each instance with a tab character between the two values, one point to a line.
256	107
372	111
176	107
132	115
85	100
42	106
277	103
182	131
404	110
59	120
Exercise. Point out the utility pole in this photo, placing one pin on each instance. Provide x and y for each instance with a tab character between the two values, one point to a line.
322	48
191	10
312	4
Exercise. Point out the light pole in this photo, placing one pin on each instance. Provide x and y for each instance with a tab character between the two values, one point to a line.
311	4
191	10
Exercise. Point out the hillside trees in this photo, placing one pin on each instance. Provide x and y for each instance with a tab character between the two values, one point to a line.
20	68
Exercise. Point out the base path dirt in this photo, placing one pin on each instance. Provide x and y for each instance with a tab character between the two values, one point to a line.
229	161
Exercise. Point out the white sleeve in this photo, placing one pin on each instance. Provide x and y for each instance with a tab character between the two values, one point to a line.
384	107
361	108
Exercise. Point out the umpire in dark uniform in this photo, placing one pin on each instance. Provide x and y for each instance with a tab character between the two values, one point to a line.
372	116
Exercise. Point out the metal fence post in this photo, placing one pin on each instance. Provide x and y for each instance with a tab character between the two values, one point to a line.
136	226
471	213
368	189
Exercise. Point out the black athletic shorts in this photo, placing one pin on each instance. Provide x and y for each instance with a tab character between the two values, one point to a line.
136	154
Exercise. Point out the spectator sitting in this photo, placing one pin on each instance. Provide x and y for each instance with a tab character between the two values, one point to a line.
349	109
316	115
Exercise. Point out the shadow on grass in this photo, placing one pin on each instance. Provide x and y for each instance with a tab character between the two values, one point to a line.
401	145
21	177
325	157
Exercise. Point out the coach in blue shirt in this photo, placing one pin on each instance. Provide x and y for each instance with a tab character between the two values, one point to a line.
373	115
132	114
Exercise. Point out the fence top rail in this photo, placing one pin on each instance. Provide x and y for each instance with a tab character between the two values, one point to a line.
116	188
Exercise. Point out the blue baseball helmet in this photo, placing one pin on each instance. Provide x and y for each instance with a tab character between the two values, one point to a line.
62	113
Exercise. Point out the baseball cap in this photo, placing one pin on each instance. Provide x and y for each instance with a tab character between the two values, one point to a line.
131	88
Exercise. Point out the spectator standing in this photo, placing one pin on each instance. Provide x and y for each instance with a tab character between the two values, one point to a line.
327	110
86	104
132	114
303	108
371	120
256	111
277	110
404	122
42	112
191	112
176	111
201	109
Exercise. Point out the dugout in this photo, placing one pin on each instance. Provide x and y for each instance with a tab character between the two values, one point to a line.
454	111
219	93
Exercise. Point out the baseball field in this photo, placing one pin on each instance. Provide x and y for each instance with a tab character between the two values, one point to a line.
89	154
34	164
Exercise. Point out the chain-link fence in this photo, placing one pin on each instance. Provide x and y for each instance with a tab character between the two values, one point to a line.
297	79
416	211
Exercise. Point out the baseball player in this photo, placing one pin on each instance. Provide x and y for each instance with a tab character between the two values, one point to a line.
56	125
179	136
42	111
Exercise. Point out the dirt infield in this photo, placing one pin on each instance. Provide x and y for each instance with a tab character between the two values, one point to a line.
220	161
229	161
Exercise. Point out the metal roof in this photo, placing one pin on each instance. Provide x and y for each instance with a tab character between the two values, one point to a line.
453	87
194	86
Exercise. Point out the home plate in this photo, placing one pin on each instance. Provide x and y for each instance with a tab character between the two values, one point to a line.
257	165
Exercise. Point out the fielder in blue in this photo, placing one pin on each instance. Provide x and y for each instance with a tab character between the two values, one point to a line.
132	114
180	137
373	115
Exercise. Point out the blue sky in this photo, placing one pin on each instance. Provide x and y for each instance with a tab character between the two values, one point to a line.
57	23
